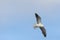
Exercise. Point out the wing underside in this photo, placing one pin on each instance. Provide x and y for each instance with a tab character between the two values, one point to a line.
43	31
38	18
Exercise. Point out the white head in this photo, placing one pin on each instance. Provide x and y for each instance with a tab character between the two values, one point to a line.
36	26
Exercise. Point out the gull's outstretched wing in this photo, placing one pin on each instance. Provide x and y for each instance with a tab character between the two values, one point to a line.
43	31
38	18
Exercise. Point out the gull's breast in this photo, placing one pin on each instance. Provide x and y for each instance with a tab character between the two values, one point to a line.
41	25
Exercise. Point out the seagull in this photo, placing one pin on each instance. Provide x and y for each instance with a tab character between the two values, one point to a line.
40	25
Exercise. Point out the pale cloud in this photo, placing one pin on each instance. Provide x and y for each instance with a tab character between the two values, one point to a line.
45	2
17	8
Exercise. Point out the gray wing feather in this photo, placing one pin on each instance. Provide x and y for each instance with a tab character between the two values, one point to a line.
43	31
38	18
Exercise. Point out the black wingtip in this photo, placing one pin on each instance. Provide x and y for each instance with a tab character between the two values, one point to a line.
44	35
36	14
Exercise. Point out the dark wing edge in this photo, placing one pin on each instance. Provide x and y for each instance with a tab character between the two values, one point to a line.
43	31
38	18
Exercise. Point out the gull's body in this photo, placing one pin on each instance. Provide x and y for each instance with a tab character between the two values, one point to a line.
39	24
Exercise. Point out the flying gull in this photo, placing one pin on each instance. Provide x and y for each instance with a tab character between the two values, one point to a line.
39	24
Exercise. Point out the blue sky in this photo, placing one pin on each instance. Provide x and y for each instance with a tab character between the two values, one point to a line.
17	19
